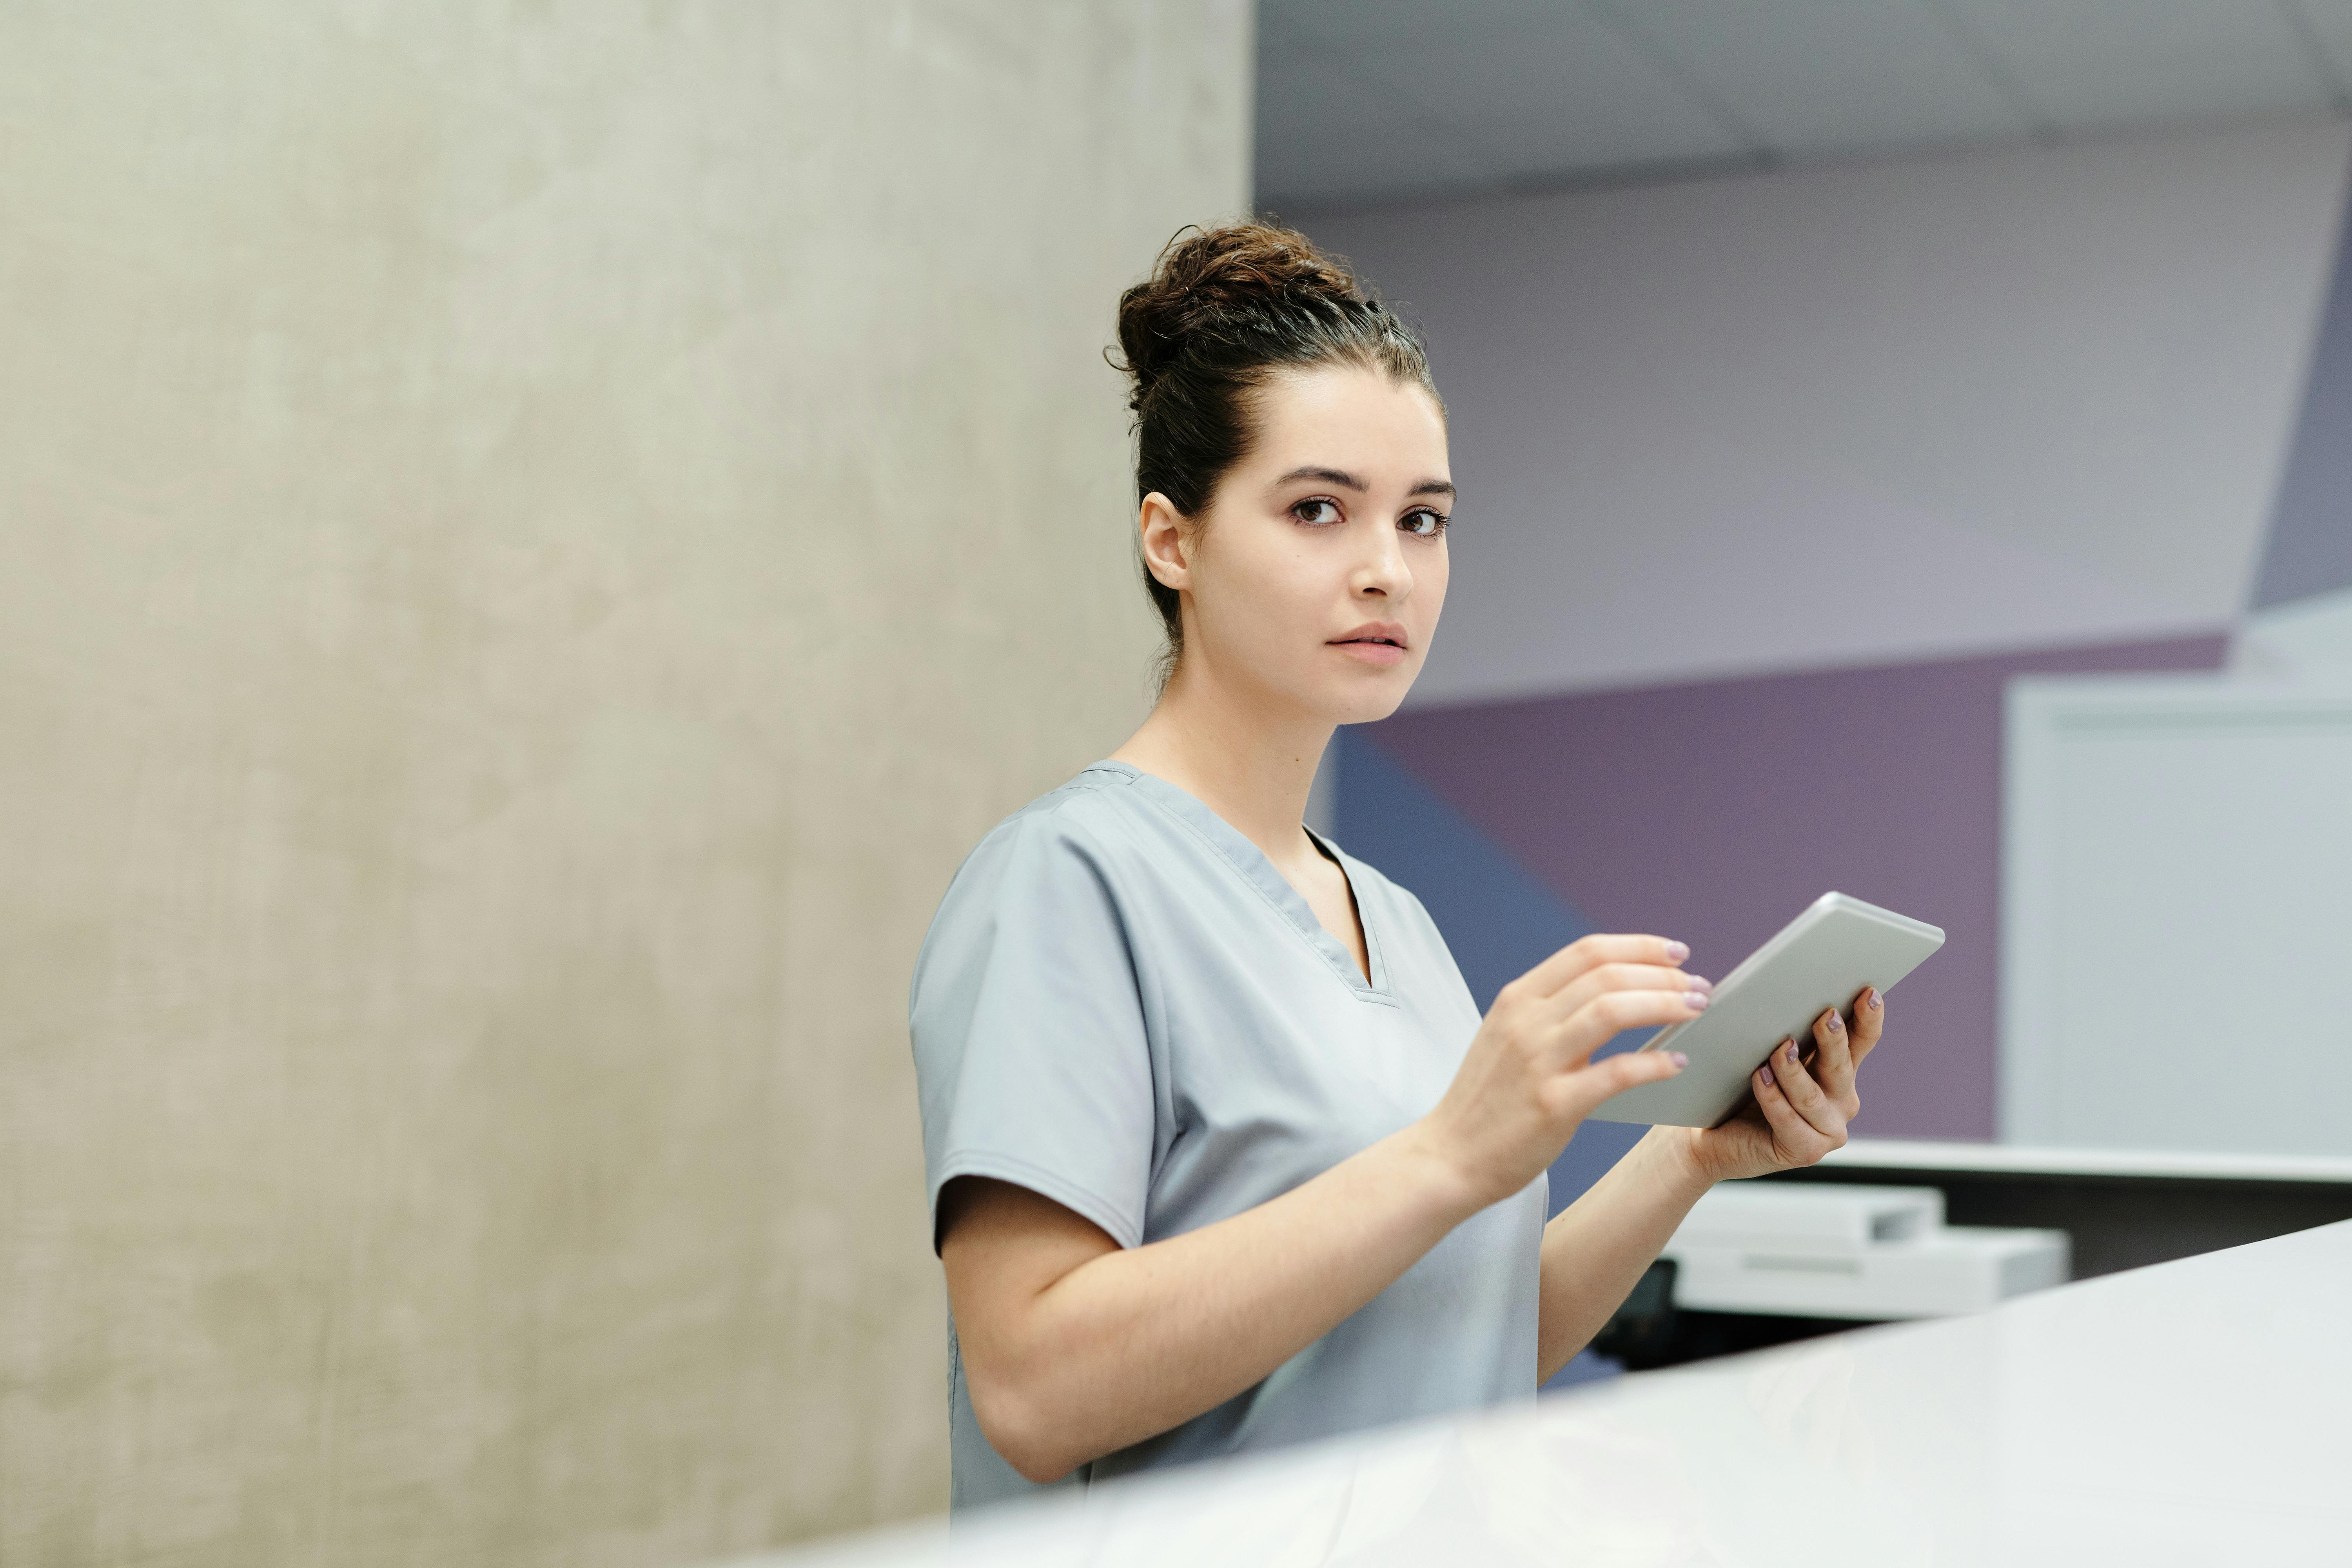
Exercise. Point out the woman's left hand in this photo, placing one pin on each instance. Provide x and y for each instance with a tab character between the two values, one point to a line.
1799	1112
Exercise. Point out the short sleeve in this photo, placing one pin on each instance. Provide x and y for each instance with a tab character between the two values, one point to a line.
1032	1057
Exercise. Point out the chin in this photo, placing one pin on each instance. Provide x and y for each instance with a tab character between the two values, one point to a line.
1366	704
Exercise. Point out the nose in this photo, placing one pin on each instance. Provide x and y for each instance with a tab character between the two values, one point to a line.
1382	571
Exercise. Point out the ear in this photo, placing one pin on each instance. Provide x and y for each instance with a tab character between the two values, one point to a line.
1163	533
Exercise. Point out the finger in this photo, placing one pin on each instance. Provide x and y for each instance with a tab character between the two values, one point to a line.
1610	977
1794	1136
1869	1022
1602	1019
1832	1056
1588	1086
1591	952
1804	1095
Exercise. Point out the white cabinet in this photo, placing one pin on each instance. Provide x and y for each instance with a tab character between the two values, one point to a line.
2177	915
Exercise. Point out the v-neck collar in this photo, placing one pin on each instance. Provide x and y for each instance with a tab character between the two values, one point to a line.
1250	863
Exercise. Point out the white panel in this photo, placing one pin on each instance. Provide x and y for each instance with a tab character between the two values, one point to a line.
2177	914
2100	64
1932	408
1843	76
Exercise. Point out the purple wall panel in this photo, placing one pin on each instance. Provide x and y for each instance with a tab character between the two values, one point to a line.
1714	812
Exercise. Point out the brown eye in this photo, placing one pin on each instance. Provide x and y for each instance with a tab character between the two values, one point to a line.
1422	523
1317	513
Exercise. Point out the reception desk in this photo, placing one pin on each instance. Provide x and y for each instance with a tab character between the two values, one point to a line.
2195	1412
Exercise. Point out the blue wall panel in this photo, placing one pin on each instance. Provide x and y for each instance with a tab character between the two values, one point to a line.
1499	921
2310	547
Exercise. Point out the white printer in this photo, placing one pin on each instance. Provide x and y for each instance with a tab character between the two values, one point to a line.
1861	1252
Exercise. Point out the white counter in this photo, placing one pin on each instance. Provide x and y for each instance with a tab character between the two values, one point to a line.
2198	1412
2020	1159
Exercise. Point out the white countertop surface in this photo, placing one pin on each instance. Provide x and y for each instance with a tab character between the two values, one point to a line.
2194	1413
2025	1159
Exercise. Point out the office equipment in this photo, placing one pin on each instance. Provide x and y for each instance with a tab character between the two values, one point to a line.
1869	1253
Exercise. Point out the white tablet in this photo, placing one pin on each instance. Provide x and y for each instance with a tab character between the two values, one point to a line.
1819	960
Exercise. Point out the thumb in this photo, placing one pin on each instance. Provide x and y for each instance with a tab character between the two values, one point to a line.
1626	1069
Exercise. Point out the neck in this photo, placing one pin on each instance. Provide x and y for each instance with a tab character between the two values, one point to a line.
1232	751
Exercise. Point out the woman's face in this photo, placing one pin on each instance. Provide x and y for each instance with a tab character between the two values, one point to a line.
1314	585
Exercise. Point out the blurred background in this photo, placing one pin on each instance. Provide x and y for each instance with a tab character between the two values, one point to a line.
532	539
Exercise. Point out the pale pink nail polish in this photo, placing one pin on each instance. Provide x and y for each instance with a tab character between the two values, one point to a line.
1765	1073
1695	1000
1680	1060
1676	952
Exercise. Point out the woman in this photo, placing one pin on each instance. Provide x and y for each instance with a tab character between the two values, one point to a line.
1220	1154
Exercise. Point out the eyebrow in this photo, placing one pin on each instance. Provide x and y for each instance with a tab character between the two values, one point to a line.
1346	480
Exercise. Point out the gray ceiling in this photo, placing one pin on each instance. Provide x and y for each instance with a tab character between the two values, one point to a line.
1380	98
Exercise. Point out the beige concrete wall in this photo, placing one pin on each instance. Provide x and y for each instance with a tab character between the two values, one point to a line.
531	540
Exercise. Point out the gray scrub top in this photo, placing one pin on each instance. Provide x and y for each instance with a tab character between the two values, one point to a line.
1122	1004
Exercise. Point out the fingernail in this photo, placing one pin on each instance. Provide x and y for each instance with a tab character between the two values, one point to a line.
1681	1060
1789	1052
1874	999
1676	952
1765	1073
1695	1000
1699	983
1835	1023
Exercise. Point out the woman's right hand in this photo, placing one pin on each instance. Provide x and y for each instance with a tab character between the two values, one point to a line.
1529	1077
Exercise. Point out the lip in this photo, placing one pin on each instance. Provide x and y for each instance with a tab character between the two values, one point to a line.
1374	642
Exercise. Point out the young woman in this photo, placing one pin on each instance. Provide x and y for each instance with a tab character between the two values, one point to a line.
1220	1154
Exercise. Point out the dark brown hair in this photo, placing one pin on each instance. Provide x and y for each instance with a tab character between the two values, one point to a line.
1223	310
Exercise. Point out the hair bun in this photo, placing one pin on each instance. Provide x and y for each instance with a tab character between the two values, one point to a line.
1213	281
